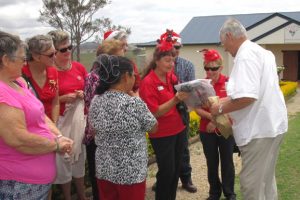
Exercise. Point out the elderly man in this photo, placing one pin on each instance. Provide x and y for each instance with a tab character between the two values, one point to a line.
257	108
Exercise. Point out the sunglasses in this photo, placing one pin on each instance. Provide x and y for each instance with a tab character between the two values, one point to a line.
177	47
63	50
213	69
50	55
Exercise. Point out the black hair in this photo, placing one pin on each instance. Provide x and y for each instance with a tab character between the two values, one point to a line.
110	68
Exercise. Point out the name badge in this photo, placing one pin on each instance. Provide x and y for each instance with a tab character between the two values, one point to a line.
160	88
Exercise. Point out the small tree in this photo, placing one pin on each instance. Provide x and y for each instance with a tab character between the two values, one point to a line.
75	17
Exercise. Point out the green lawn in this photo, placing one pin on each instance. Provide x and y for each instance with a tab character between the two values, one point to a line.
288	165
87	60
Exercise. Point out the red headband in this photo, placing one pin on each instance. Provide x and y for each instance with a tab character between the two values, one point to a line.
166	41
210	55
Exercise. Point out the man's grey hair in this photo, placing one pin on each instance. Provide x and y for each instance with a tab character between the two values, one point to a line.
38	45
9	45
234	27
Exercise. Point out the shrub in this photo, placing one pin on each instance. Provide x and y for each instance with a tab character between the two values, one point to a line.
288	87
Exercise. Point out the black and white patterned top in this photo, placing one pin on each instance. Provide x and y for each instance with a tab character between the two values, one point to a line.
121	122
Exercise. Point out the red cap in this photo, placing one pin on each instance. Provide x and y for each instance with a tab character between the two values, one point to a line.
111	34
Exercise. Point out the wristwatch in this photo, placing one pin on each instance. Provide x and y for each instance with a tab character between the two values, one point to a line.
220	109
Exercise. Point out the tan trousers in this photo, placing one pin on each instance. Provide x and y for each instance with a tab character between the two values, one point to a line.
257	177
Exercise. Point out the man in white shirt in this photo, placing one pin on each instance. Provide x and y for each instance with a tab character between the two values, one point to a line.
257	108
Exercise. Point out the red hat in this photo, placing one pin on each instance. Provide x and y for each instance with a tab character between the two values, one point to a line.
210	55
175	37
116	34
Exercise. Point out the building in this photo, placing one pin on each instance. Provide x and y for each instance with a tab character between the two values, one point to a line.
277	32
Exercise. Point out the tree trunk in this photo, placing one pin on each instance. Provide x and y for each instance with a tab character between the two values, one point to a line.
78	52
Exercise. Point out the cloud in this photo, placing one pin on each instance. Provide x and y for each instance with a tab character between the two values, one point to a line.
146	18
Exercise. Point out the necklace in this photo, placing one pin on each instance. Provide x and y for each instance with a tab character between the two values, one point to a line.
64	68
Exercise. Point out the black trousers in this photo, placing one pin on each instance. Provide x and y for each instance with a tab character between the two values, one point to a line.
186	169
218	148
168	151
90	155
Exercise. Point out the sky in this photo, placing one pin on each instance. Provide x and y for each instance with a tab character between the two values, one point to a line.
148	19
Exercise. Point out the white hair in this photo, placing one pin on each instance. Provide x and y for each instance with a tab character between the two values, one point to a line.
234	27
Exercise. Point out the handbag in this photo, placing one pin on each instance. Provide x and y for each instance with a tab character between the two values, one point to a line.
183	111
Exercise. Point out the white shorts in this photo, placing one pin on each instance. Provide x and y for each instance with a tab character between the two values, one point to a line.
66	170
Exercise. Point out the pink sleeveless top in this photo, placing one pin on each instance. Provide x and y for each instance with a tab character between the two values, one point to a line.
14	165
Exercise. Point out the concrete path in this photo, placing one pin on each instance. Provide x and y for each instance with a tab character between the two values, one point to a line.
198	163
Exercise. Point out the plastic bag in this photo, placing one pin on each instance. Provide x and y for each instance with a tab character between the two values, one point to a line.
200	90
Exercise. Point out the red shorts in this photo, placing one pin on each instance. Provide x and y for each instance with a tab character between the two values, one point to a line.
111	191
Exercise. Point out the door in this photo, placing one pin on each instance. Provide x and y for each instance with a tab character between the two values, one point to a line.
290	61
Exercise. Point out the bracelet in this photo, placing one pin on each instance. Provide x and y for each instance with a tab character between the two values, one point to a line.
56	141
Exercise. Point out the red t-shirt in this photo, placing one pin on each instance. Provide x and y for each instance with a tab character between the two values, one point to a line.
220	89
71	80
47	93
155	92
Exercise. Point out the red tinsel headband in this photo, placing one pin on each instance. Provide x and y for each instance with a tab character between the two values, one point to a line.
210	55
166	41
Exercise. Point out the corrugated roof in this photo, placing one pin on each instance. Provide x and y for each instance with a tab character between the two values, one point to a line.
205	29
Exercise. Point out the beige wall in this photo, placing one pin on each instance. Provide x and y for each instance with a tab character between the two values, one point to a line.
189	52
276	42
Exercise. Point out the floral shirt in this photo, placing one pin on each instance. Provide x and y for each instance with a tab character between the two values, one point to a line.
91	83
120	122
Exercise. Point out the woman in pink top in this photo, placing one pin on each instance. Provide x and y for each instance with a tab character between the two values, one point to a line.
28	139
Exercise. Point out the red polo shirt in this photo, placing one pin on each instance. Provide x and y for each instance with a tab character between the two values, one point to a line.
71	80
48	91
155	92
220	89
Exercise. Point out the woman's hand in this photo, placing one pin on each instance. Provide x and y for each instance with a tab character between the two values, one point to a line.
210	128
181	96
65	145
68	98
79	94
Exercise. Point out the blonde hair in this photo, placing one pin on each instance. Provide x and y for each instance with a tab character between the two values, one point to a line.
59	37
110	47
219	62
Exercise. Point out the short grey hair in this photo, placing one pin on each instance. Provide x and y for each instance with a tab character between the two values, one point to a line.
234	27
38	44
59	37
9	45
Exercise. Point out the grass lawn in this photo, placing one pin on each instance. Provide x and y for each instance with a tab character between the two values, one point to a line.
87	60
288	164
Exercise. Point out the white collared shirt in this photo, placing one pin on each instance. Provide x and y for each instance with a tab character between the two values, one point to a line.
254	75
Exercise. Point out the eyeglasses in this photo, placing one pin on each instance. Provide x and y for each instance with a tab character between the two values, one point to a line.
63	50
50	55
177	47
213	69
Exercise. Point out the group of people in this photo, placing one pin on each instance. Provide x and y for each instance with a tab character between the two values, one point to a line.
57	115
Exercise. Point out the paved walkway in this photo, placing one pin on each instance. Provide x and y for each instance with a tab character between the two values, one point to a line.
199	164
